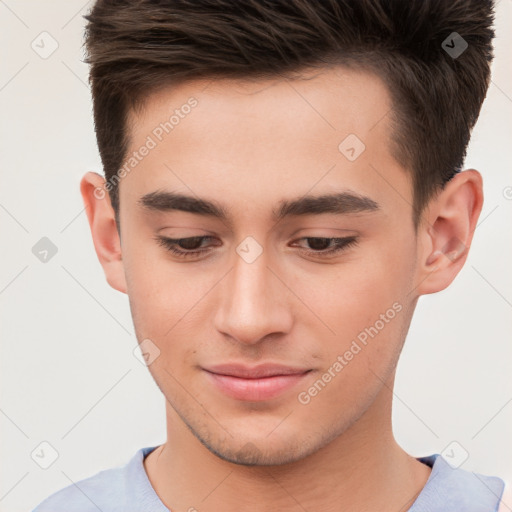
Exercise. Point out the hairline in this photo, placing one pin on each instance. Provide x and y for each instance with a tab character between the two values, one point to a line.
367	63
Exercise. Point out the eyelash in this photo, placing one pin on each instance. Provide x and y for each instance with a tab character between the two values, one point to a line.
171	245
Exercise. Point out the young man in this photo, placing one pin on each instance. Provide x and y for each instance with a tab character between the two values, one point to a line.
282	184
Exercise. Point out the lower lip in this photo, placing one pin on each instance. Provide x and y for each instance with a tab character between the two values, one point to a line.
255	389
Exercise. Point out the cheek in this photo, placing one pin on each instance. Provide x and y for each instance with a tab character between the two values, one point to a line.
164	302
350	296
356	362
160	293
366	305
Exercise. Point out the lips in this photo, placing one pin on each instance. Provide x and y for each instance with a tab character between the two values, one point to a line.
262	382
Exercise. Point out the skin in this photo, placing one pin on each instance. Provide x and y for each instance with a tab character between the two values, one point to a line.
249	145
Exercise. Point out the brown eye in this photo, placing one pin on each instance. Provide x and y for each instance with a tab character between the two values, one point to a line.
319	244
185	247
322	246
191	243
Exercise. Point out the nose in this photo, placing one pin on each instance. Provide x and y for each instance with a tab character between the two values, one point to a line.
253	302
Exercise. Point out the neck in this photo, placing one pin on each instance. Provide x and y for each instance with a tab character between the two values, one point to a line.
363	469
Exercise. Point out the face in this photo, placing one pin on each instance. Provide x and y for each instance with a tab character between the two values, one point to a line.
297	250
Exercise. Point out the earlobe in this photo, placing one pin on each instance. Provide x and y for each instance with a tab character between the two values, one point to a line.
103	227
447	231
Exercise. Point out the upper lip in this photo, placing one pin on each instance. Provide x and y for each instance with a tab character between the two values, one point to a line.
255	372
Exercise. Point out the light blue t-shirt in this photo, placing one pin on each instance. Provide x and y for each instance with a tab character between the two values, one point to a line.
128	489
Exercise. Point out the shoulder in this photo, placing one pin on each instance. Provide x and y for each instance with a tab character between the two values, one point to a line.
506	499
455	489
89	494
107	490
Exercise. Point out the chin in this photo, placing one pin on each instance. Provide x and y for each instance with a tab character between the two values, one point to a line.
252	455
263	451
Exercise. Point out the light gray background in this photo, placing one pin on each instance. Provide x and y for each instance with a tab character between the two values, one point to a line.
68	374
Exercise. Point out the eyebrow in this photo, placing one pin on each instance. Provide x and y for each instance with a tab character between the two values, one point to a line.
338	203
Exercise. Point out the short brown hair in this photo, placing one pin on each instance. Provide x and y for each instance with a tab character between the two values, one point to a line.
136	46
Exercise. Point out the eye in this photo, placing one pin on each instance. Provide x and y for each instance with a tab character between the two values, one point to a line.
320	246
185	247
191	247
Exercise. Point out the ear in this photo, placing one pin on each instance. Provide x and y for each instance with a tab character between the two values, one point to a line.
105	236
446	231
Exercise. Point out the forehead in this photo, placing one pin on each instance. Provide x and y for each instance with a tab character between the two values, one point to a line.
335	98
265	139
